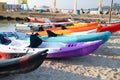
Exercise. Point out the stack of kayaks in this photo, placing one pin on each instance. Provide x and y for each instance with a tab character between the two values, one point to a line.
69	30
35	26
90	29
17	54
72	43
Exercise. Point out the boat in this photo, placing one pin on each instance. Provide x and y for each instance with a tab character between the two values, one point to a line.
65	38
26	26
44	20
75	26
19	65
82	49
35	26
64	31
78	37
112	28
52	25
59	49
82	25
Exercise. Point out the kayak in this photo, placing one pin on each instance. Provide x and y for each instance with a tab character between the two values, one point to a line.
79	37
64	38
59	49
65	31
24	64
112	28
82	25
51	26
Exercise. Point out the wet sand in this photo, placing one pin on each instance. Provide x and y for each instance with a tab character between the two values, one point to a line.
103	64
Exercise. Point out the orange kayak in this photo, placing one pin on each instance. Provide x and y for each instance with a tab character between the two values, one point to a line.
66	31
44	33
83	25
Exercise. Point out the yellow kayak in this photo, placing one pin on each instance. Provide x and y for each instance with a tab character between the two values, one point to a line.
77	25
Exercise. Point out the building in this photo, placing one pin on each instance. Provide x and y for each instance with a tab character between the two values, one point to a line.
14	7
15	4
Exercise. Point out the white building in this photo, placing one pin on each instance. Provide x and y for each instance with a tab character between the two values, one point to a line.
15	3
10	1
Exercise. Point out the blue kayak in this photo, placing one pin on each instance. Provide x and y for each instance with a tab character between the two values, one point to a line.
80	37
104	36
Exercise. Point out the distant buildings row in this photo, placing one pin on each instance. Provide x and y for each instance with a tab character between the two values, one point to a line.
4	6
17	7
116	7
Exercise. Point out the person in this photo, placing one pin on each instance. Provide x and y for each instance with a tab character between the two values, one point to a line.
35	41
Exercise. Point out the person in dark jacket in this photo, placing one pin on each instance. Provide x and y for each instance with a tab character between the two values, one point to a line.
35	41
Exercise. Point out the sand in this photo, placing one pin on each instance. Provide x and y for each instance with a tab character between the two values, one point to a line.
103	64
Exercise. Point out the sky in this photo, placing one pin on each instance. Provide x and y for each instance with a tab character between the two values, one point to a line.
66	4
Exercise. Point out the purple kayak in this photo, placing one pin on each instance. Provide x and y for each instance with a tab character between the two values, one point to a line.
56	50
76	49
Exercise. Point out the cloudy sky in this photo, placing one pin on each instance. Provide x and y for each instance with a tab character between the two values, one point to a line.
65	4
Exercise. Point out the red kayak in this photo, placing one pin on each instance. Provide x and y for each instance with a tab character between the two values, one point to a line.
112	28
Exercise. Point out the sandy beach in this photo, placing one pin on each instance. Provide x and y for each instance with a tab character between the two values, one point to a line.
103	64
